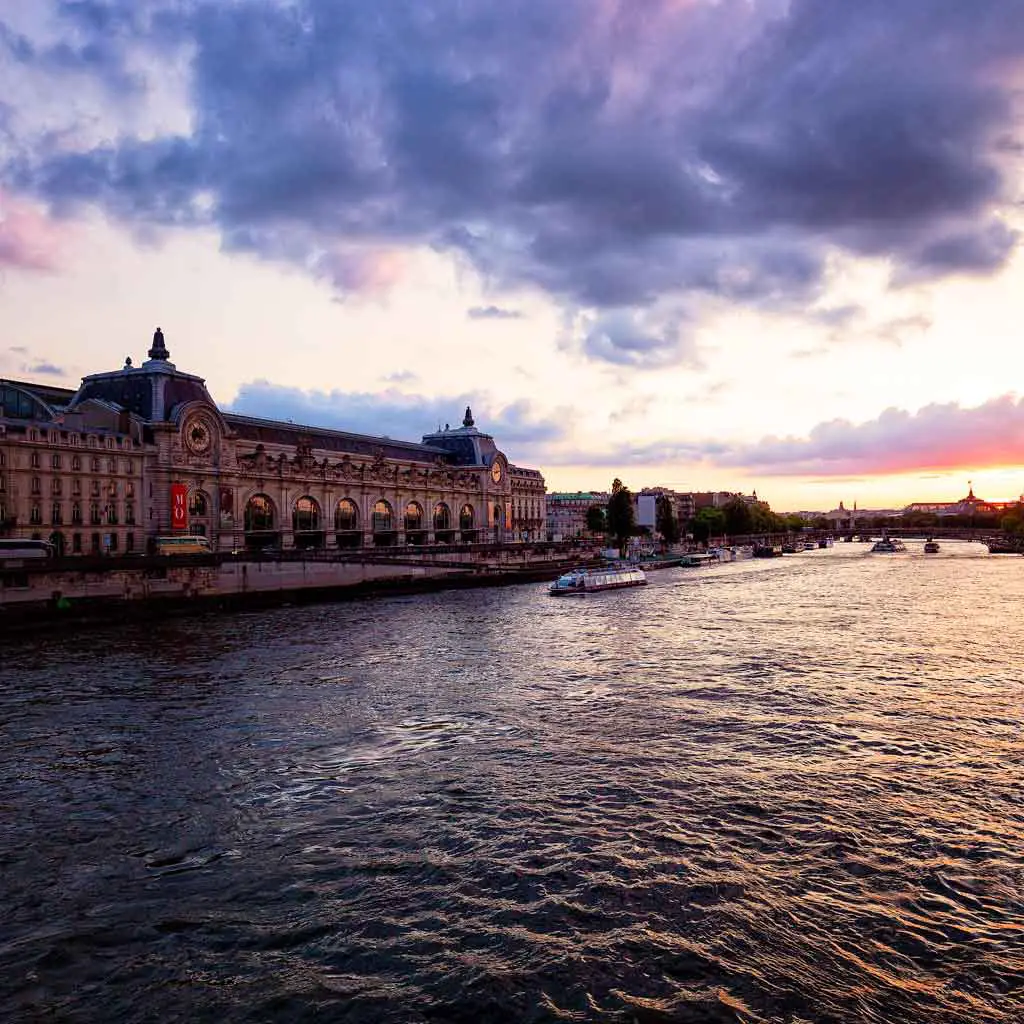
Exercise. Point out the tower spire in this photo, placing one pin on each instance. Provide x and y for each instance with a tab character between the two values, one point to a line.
159	349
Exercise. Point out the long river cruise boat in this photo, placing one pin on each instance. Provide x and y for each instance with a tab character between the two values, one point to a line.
577	582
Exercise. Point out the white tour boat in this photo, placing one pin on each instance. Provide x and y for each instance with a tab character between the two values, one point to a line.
888	546
588	581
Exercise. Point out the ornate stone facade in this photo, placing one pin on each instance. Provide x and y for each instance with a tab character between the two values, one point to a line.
246	482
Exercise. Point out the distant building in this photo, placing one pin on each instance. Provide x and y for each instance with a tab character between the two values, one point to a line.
567	512
969	505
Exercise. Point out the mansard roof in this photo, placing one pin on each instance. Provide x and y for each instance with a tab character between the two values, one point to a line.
253	428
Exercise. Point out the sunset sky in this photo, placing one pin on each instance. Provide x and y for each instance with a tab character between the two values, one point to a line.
710	244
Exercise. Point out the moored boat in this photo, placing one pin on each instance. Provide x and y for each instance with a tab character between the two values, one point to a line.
888	546
699	558
767	551
578	582
931	547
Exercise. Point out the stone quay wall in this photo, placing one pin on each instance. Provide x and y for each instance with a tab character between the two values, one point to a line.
76	588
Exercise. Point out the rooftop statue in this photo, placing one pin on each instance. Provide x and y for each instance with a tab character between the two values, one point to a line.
159	349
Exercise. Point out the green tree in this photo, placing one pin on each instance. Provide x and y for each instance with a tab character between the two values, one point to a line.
738	519
621	517
665	519
707	523
596	522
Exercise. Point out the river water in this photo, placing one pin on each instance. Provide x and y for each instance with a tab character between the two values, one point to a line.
769	791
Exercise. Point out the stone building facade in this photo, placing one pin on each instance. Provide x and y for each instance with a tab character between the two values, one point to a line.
147	452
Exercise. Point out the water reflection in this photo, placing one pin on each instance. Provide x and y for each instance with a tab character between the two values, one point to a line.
764	791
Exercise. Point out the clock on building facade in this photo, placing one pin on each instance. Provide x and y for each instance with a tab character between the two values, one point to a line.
198	436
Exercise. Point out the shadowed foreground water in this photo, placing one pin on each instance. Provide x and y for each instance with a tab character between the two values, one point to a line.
770	791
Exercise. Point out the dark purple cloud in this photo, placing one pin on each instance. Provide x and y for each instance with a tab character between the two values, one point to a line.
611	155
518	429
46	369
493	313
643	341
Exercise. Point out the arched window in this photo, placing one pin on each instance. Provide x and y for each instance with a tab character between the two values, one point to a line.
383	519
414	528
466	518
442	517
198	503
259	513
413	517
346	515
306	515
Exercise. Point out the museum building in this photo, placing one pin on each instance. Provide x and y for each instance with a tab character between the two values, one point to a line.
144	452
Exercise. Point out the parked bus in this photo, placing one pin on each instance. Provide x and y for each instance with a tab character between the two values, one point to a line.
19	548
183	545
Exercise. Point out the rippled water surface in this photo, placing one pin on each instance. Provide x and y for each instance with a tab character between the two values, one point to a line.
768	791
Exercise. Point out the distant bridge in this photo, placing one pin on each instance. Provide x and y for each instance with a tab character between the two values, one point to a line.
980	536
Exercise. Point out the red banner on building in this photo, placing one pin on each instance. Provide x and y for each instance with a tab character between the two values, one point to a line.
179	507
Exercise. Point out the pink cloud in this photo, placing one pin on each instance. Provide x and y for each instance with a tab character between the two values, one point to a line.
29	240
936	437
363	273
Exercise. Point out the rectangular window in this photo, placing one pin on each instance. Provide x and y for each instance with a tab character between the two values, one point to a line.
3	484
3	458
35	515
94	488
129	513
55	461
113	542
76	513
76	462
36	488
58	514
76	486
129	489
112	515
111	465
76	543
34	460
57	486
95	464
129	467
129	542
112	489
94	513
94	543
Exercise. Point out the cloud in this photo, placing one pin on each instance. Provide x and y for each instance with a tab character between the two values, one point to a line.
611	159
28	239
493	313
518	427
46	369
936	437
643	340
401	377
